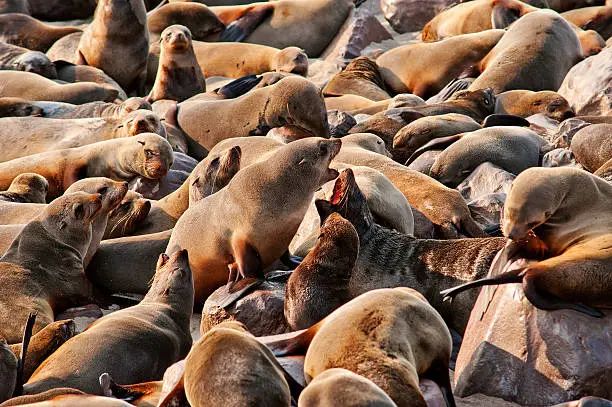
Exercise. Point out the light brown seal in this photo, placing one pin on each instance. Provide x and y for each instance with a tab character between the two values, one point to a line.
425	68
26	188
66	398
118	29
592	146
535	54
28	32
198	18
128	216
18	107
161	320
525	103
31	86
361	77
48	283
179	76
592	18
59	110
238	243
71	73
146	154
16	58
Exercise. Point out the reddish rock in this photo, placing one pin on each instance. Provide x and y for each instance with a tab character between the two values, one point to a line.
411	15
533	357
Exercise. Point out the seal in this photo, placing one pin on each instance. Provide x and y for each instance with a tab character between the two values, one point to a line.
28	32
59	110
27	136
239	240
146	154
179	76
598	18
334	387
293	103
16	58
198	18
539	45
426	68
128	216
474	16
592	146
525	103
161	320
119	28
17	107
26	188
8	366
64	397
31	86
354	104
231	343
556	206
61	10
71	73
48	283
361	77
14	6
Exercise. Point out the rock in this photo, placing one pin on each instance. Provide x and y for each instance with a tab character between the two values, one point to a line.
587	402
425	161
360	29
562	138
588	85
486	210
533	357
321	71
412	15
361	117
82	316
340	123
485	179
560	157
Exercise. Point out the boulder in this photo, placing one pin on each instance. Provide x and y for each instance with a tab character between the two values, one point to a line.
485	179
412	15
560	157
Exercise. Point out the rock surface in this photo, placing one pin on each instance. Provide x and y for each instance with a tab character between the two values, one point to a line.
411	15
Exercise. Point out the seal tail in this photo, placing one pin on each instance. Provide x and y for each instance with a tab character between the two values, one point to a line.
513	276
294	343
27	335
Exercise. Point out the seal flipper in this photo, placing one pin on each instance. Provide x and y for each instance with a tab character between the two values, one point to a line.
246	23
175	397
247	259
27	335
435	144
290	260
499	119
112	389
230	293
503	16
514	276
438	373
239	86
293	343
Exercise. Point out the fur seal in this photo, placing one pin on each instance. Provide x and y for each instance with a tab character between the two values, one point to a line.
66	398
161	320
16	58
28	136
26	188
245	246
17	107
592	146
525	103
598	18
426	68
72	73
179	76
536	53
198	18
474	16
48	283
146	154
354	104
119	28
556	205
293	103
605	171
28	32
361	77
31	86
59	110
61	10
125	219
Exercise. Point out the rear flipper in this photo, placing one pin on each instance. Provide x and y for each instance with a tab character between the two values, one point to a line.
27	335
244	25
239	87
514	276
112	389
439	143
438	372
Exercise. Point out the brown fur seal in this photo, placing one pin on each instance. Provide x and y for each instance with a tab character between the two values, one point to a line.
424	69
26	188
591	42
474	16
16	58
59	110
605	171
245	246
122	159
309	25
425	129
14	6
511	148
535	54
592	18
161	320
257	379
118	29
293	103
592	146
17	107
360	77
179	76
71	73
557	206
128	216
48	283
354	104
28	32
61	10
342	388
525	103
28	136
198	18
31	86
66	398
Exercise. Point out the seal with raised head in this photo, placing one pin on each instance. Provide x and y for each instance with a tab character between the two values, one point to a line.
160	320
361	77
118	29
27	32
26	188
17	58
525	103
238	243
122	159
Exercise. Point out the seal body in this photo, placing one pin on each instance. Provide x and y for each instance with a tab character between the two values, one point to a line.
525	103
27	32
16	58
592	146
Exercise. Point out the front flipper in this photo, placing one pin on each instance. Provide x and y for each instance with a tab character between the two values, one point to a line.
27	335
243	26
232	292
247	259
439	143
502	16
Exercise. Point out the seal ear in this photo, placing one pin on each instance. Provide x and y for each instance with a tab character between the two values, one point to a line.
141	142
78	210
163	259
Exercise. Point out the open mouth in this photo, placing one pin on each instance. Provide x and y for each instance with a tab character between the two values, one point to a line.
343	186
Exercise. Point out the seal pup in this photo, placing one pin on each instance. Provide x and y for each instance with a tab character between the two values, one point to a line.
146	154
119	28
48	283
26	188
179	75
28	32
161	320
238	243
17	58
361	77
592	146
555	206
18	107
525	103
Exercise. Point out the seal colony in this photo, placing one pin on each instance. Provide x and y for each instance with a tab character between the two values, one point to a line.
270	203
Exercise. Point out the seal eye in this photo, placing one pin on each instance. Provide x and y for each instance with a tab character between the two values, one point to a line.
102	190
148	153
